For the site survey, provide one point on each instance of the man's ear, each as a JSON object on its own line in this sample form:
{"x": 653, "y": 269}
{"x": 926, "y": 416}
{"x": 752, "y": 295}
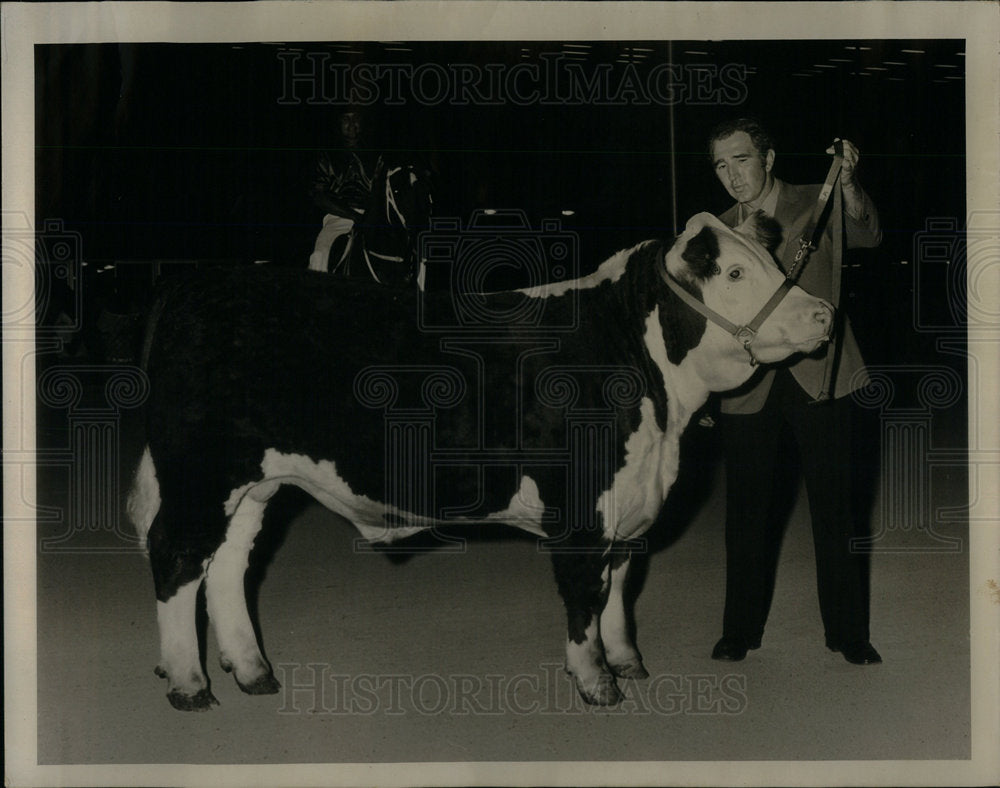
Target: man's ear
{"x": 768, "y": 160}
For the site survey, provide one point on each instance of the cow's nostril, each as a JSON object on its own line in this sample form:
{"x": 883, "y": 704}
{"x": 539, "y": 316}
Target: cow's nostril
{"x": 824, "y": 314}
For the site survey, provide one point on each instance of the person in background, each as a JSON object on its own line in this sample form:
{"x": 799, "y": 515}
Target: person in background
{"x": 341, "y": 186}
{"x": 808, "y": 394}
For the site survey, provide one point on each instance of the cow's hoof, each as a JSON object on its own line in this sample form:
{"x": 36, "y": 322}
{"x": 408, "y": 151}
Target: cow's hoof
{"x": 602, "y": 692}
{"x": 202, "y": 700}
{"x": 265, "y": 685}
{"x": 630, "y": 669}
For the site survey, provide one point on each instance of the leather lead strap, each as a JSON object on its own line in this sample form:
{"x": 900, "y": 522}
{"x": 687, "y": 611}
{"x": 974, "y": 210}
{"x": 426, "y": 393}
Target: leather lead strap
{"x": 811, "y": 233}
{"x": 826, "y": 391}
{"x": 809, "y": 242}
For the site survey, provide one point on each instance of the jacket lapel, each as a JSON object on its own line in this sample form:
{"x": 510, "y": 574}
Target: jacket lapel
{"x": 792, "y": 213}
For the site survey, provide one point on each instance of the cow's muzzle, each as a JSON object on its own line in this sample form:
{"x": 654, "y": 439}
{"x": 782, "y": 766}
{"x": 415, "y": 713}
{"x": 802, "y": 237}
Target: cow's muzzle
{"x": 824, "y": 319}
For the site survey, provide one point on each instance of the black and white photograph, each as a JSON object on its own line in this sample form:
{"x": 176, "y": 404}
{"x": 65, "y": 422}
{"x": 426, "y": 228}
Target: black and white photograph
{"x": 466, "y": 393}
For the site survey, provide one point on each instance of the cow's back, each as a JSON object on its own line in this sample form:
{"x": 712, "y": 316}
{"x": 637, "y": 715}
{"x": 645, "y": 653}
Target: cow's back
{"x": 252, "y": 360}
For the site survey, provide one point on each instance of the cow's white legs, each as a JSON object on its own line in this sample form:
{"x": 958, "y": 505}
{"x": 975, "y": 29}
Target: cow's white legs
{"x": 180, "y": 663}
{"x": 620, "y": 652}
{"x": 226, "y": 600}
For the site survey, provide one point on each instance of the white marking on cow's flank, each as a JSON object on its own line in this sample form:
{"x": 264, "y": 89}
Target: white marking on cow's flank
{"x": 322, "y": 481}
{"x": 610, "y": 270}
{"x": 144, "y": 497}
{"x": 525, "y": 509}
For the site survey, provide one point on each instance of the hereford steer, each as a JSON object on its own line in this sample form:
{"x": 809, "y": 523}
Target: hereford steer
{"x": 556, "y": 409}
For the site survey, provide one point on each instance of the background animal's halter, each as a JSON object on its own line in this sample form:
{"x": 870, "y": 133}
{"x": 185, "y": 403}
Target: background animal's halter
{"x": 808, "y": 242}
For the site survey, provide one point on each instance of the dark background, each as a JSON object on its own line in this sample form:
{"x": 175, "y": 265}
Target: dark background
{"x": 184, "y": 152}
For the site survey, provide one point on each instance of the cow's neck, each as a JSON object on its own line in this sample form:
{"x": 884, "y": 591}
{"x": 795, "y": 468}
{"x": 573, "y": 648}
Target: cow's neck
{"x": 686, "y": 390}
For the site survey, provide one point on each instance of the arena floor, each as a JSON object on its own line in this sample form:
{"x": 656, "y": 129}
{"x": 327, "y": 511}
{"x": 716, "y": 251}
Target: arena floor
{"x": 456, "y": 656}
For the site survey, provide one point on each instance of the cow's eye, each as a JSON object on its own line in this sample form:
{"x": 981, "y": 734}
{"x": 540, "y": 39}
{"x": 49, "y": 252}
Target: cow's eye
{"x": 735, "y": 274}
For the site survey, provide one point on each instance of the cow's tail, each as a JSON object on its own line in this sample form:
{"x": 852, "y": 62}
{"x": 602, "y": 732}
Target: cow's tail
{"x": 143, "y": 501}
{"x": 144, "y": 497}
{"x": 153, "y": 317}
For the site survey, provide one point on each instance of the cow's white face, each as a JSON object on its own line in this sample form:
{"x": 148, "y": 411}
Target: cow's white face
{"x": 736, "y": 276}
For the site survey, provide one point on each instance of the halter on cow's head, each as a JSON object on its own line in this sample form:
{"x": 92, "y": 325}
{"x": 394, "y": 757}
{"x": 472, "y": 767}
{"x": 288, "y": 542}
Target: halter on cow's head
{"x": 729, "y": 276}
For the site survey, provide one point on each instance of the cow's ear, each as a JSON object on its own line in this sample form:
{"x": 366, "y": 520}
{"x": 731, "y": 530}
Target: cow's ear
{"x": 701, "y": 253}
{"x": 764, "y": 229}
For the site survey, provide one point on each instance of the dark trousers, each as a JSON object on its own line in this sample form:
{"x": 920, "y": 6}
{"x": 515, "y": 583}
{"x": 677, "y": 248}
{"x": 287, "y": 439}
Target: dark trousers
{"x": 757, "y": 450}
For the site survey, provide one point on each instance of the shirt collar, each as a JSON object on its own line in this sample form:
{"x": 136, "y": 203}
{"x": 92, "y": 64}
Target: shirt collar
{"x": 769, "y": 206}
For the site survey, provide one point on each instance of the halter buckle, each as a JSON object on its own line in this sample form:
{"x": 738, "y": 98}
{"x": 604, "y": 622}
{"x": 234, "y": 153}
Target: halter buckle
{"x": 745, "y": 336}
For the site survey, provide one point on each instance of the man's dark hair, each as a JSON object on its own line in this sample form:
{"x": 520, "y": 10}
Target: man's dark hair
{"x": 758, "y": 134}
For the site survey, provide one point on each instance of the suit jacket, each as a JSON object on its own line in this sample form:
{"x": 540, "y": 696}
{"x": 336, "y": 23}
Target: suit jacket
{"x": 838, "y": 367}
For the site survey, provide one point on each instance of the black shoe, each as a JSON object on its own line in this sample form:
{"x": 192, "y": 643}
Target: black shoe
{"x": 733, "y": 649}
{"x": 858, "y": 652}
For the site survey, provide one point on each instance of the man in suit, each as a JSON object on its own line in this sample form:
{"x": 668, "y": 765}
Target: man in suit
{"x": 808, "y": 394}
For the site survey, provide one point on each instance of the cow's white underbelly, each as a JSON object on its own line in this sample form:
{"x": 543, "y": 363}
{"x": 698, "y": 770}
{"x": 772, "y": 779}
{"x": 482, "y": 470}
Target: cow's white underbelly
{"x": 640, "y": 486}
{"x": 628, "y": 507}
{"x": 322, "y": 481}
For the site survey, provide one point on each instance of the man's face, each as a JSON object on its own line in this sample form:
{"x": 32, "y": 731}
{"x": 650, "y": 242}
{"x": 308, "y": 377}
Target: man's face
{"x": 350, "y": 127}
{"x": 740, "y": 167}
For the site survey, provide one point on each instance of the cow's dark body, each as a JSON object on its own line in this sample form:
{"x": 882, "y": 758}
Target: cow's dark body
{"x": 562, "y": 418}
{"x": 256, "y": 370}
